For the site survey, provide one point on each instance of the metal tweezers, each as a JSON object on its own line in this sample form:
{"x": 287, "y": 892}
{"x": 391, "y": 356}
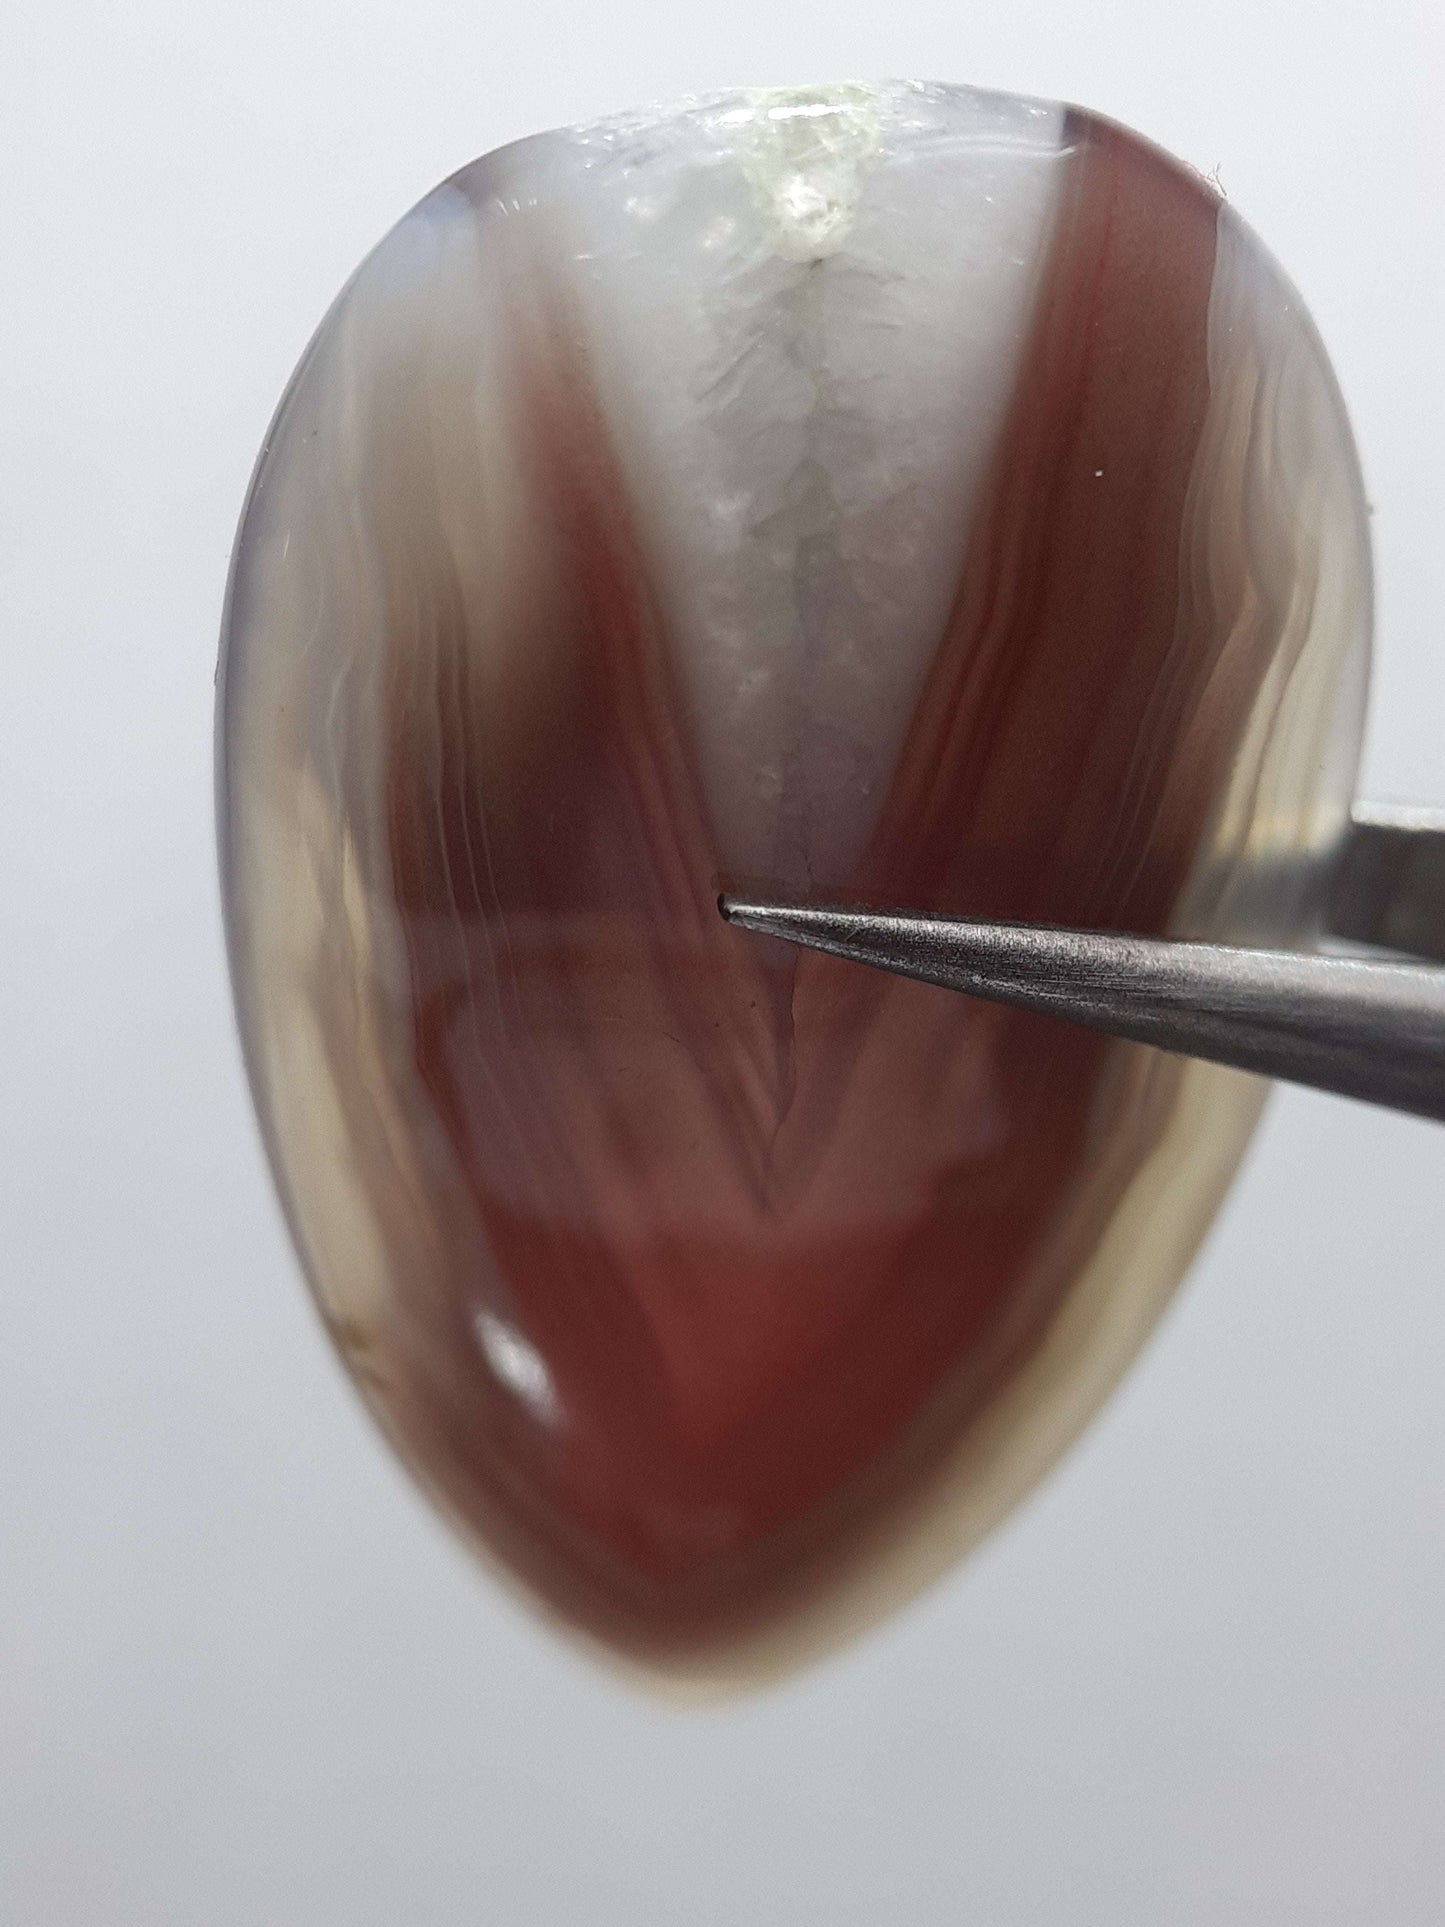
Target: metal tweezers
{"x": 1367, "y": 1027}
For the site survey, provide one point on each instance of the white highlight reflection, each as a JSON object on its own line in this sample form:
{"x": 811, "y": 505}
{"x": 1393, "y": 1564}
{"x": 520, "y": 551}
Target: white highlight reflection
{"x": 519, "y": 1365}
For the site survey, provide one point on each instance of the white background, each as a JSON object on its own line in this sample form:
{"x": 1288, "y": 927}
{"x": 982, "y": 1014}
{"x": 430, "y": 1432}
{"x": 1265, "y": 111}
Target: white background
{"x": 245, "y": 1679}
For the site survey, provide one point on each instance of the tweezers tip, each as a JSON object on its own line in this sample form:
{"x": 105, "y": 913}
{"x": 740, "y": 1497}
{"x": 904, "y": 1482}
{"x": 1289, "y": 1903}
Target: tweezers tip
{"x": 749, "y": 916}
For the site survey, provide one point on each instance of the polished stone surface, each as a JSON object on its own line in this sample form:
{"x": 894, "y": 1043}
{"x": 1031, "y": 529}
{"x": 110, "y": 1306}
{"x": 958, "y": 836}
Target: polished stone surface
{"x": 901, "y": 494}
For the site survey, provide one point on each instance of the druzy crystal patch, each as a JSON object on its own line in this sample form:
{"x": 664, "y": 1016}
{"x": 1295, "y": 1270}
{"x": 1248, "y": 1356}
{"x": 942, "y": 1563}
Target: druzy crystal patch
{"x": 899, "y": 494}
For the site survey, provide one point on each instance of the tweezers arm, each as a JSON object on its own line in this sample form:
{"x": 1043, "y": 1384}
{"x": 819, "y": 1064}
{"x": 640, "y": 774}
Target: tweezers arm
{"x": 1374, "y": 1031}
{"x": 1369, "y": 1030}
{"x": 1389, "y": 888}
{"x": 1366, "y": 1029}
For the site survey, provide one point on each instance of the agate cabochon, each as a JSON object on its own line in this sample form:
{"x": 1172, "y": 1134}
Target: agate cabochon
{"x": 903, "y": 495}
